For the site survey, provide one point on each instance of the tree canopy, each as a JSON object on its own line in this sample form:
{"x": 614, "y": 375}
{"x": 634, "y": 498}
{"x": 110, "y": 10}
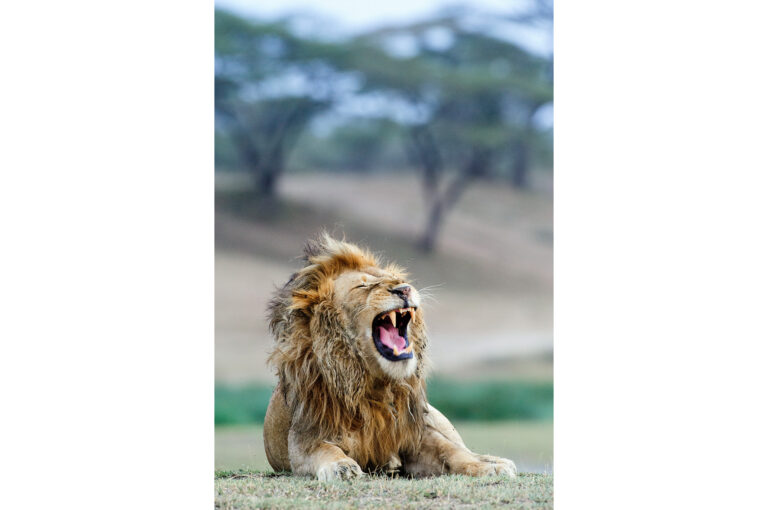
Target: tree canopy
{"x": 463, "y": 100}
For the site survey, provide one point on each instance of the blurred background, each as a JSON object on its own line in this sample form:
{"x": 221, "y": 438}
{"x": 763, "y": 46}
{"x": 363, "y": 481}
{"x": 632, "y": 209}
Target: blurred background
{"x": 424, "y": 131}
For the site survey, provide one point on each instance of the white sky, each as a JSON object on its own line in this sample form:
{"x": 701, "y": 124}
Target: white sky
{"x": 355, "y": 14}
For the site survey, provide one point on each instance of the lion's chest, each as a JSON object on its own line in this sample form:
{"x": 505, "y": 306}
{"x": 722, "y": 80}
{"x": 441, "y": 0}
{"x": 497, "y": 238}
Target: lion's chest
{"x": 378, "y": 441}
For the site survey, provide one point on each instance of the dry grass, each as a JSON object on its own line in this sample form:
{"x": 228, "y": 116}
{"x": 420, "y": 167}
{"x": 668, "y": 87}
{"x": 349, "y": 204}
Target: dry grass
{"x": 492, "y": 306}
{"x": 252, "y": 490}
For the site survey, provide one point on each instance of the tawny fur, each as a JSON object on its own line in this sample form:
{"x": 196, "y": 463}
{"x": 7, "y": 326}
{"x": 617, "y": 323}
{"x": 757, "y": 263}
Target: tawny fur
{"x": 320, "y": 367}
{"x": 330, "y": 398}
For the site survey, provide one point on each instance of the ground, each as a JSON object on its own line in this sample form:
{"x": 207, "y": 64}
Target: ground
{"x": 489, "y": 313}
{"x": 252, "y": 489}
{"x": 529, "y": 444}
{"x": 489, "y": 284}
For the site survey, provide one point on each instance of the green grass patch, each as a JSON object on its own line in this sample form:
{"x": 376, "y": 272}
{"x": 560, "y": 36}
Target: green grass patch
{"x": 241, "y": 404}
{"x": 458, "y": 400}
{"x": 257, "y": 489}
{"x": 491, "y": 400}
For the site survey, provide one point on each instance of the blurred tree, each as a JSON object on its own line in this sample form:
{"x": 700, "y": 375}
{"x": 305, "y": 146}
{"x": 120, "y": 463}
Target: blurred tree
{"x": 473, "y": 100}
{"x": 466, "y": 100}
{"x": 264, "y": 132}
{"x": 354, "y": 145}
{"x": 538, "y": 15}
{"x": 268, "y": 86}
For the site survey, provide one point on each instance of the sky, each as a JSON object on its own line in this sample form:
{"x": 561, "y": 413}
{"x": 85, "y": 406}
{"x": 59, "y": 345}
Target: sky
{"x": 352, "y": 16}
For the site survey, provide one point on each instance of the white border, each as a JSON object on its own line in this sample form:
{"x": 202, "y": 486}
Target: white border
{"x": 106, "y": 204}
{"x": 661, "y": 259}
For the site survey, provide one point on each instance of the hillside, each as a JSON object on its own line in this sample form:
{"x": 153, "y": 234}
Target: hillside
{"x": 490, "y": 282}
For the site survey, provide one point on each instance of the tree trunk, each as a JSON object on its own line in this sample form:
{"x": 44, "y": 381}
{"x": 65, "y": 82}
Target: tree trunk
{"x": 520, "y": 165}
{"x": 427, "y": 154}
{"x": 476, "y": 166}
{"x": 250, "y": 156}
{"x": 441, "y": 205}
{"x": 434, "y": 222}
{"x": 521, "y": 157}
{"x": 270, "y": 171}
{"x": 266, "y": 184}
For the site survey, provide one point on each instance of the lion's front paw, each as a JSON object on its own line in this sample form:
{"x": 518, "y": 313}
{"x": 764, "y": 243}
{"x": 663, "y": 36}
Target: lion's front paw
{"x": 345, "y": 469}
{"x": 489, "y": 466}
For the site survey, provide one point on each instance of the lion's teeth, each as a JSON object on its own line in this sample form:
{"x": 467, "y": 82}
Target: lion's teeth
{"x": 393, "y": 317}
{"x": 394, "y": 349}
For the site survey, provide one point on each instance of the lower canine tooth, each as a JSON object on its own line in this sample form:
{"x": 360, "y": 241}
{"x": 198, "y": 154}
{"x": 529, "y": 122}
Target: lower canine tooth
{"x": 397, "y": 353}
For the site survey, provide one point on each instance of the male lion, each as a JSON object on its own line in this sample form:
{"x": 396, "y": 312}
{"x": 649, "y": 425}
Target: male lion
{"x": 351, "y": 359}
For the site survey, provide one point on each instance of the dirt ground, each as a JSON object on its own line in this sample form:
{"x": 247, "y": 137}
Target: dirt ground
{"x": 490, "y": 281}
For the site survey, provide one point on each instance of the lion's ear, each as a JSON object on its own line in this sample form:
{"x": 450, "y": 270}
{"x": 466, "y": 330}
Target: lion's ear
{"x": 339, "y": 360}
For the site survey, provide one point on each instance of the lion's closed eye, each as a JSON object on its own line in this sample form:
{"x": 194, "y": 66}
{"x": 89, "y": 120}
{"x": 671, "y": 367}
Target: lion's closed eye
{"x": 367, "y": 285}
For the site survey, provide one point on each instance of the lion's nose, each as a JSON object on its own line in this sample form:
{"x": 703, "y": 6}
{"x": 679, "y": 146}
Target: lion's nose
{"x": 402, "y": 291}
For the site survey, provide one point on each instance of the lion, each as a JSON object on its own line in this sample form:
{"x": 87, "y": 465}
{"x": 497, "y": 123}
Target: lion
{"x": 351, "y": 359}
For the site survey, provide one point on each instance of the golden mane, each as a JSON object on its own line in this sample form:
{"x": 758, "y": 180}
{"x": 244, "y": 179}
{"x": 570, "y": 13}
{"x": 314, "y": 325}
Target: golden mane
{"x": 323, "y": 376}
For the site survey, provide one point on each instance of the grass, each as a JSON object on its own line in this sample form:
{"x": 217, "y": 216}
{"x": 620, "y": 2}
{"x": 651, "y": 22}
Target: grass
{"x": 241, "y": 404}
{"x": 253, "y": 489}
{"x": 529, "y": 444}
{"x": 458, "y": 400}
{"x": 492, "y": 400}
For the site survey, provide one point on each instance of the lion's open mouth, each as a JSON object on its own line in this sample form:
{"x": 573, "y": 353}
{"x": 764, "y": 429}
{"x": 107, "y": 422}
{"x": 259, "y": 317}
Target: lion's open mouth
{"x": 390, "y": 334}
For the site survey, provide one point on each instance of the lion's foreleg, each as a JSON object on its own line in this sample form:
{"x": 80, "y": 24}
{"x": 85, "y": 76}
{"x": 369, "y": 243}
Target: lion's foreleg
{"x": 443, "y": 452}
{"x": 320, "y": 459}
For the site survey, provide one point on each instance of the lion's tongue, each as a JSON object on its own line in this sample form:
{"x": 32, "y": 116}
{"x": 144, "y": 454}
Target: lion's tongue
{"x": 389, "y": 336}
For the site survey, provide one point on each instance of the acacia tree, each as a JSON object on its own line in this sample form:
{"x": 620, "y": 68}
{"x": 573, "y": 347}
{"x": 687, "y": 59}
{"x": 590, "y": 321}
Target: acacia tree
{"x": 269, "y": 85}
{"x": 473, "y": 99}
{"x": 264, "y": 133}
{"x": 467, "y": 104}
{"x": 538, "y": 15}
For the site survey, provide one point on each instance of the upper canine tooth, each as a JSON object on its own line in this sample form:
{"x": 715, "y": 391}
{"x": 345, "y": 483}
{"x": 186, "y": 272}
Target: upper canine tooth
{"x": 393, "y": 317}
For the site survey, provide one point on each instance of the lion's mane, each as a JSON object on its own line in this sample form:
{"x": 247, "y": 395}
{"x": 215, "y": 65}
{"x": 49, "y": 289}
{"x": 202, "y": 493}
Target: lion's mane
{"x": 325, "y": 381}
